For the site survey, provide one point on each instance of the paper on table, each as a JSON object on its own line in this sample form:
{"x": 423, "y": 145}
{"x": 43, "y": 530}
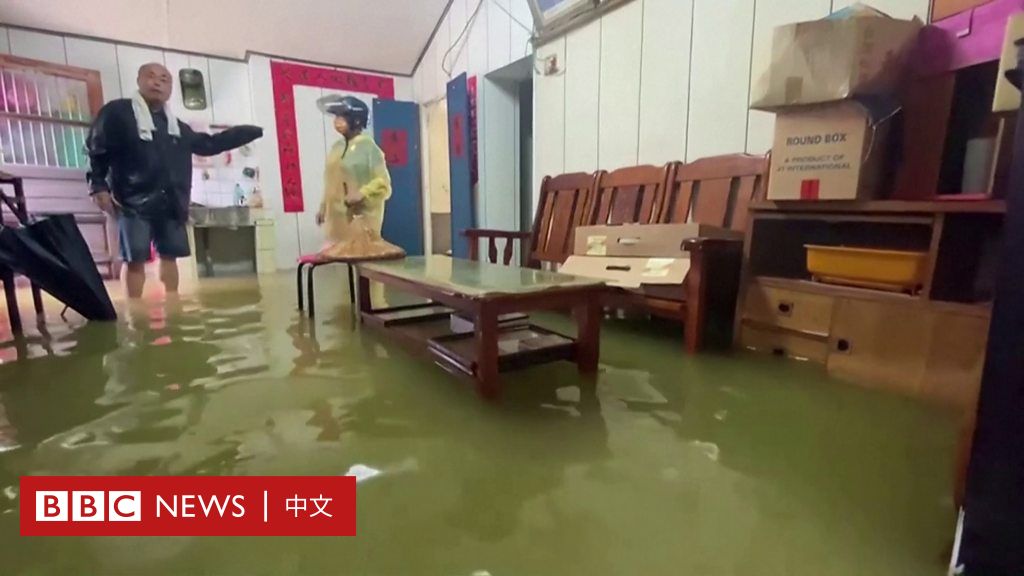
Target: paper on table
{"x": 658, "y": 267}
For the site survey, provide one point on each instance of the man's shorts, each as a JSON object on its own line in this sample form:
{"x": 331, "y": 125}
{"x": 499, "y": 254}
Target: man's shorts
{"x": 137, "y": 234}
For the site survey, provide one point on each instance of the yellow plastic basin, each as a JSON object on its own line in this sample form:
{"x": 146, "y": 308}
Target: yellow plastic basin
{"x": 896, "y": 270}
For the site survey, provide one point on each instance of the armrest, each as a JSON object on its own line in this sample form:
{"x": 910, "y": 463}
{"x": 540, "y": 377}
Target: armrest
{"x": 711, "y": 289}
{"x": 712, "y": 244}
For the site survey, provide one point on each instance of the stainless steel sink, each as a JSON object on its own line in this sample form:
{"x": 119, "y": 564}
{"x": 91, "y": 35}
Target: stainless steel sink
{"x": 227, "y": 217}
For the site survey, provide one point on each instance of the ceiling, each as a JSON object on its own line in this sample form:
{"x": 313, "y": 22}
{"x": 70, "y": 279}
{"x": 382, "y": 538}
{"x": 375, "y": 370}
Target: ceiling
{"x": 381, "y": 35}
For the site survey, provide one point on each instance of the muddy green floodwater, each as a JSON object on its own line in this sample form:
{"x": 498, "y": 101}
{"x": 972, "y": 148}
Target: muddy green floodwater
{"x": 669, "y": 464}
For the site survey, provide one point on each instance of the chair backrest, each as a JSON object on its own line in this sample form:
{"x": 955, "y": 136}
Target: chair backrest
{"x": 631, "y": 195}
{"x": 564, "y": 201}
{"x": 718, "y": 190}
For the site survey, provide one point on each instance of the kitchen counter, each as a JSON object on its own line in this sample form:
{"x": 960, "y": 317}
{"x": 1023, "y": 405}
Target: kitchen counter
{"x": 232, "y": 240}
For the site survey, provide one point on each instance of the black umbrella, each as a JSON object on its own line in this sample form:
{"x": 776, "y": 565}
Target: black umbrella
{"x": 52, "y": 253}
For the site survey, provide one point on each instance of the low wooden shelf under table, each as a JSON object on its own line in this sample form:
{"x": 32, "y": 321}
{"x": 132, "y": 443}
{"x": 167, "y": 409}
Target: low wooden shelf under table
{"x": 484, "y": 292}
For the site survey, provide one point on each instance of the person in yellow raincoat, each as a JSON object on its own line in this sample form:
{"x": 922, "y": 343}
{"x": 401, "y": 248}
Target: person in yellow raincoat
{"x": 357, "y": 186}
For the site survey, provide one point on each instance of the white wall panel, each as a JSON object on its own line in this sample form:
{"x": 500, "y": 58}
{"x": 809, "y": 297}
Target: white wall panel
{"x": 129, "y": 60}
{"x": 767, "y": 15}
{"x": 428, "y": 234}
{"x": 456, "y": 22}
{"x": 582, "y": 78}
{"x": 175, "y": 62}
{"x": 229, "y": 86}
{"x": 430, "y": 72}
{"x": 285, "y": 230}
{"x": 442, "y": 40}
{"x": 309, "y": 125}
{"x": 38, "y": 46}
{"x": 101, "y": 56}
{"x": 619, "y": 123}
{"x": 417, "y": 84}
{"x": 548, "y": 119}
{"x": 499, "y": 35}
{"x": 476, "y": 45}
{"x": 499, "y": 149}
{"x": 719, "y": 77}
{"x": 404, "y": 89}
{"x": 664, "y": 84}
{"x": 521, "y": 28}
{"x": 5, "y": 41}
{"x": 905, "y": 9}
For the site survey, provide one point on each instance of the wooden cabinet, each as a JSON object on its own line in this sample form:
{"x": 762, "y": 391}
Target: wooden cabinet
{"x": 784, "y": 343}
{"x": 880, "y": 344}
{"x": 946, "y": 8}
{"x": 800, "y": 311}
{"x": 928, "y": 344}
{"x": 934, "y": 351}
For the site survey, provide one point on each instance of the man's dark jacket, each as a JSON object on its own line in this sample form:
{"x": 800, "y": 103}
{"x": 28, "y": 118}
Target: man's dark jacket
{"x": 137, "y": 171}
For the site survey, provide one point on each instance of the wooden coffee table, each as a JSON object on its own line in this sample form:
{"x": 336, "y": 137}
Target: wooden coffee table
{"x": 484, "y": 292}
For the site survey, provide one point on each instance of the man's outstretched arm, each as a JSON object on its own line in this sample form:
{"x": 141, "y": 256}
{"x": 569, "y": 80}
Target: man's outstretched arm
{"x": 210, "y": 145}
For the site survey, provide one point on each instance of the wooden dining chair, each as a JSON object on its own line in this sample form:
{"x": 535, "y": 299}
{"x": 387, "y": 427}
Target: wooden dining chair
{"x": 19, "y": 217}
{"x": 716, "y": 190}
{"x": 563, "y": 205}
{"x": 631, "y": 195}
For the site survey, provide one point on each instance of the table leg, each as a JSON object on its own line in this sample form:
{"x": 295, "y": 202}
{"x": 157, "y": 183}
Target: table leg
{"x": 487, "y": 353}
{"x": 207, "y": 258}
{"x": 588, "y": 339}
{"x": 310, "y": 293}
{"x": 365, "y": 305}
{"x": 37, "y": 300}
{"x": 351, "y": 284}
{"x": 298, "y": 284}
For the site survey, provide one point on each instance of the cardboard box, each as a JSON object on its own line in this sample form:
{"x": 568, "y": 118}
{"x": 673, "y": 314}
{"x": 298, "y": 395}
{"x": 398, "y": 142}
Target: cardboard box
{"x": 857, "y": 51}
{"x": 640, "y": 240}
{"x": 638, "y": 256}
{"x": 830, "y": 152}
{"x": 1007, "y": 97}
{"x": 629, "y": 272}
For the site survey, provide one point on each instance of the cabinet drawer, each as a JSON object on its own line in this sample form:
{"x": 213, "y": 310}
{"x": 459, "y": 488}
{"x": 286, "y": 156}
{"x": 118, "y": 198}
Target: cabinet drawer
{"x": 784, "y": 344}
{"x": 881, "y": 345}
{"x": 789, "y": 309}
{"x": 956, "y": 358}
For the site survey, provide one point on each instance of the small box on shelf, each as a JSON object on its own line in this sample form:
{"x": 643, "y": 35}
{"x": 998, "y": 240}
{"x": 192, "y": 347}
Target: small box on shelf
{"x": 830, "y": 152}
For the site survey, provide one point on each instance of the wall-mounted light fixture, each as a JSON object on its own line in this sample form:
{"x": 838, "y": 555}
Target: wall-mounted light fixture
{"x": 193, "y": 89}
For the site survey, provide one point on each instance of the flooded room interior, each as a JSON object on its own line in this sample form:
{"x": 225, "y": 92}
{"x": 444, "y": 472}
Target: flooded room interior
{"x": 511, "y": 287}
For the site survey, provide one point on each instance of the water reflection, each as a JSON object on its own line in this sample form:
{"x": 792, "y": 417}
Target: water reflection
{"x": 666, "y": 464}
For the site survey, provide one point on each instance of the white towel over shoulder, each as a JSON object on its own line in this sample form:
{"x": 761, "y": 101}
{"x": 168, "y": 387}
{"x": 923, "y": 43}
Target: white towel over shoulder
{"x": 144, "y": 119}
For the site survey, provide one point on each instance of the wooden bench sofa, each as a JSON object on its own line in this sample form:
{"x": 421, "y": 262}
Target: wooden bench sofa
{"x": 713, "y": 191}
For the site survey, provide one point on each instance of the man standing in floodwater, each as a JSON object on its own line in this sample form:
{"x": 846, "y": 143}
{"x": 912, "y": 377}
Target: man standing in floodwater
{"x": 140, "y": 171}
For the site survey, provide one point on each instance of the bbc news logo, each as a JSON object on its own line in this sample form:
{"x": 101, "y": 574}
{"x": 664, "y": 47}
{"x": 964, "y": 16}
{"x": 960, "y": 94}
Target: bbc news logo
{"x": 88, "y": 506}
{"x": 188, "y": 506}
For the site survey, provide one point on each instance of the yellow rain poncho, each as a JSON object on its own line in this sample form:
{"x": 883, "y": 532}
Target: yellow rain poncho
{"x": 356, "y": 188}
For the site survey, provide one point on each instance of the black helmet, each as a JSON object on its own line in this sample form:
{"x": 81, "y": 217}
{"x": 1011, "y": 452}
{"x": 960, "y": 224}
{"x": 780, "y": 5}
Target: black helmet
{"x": 352, "y": 109}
